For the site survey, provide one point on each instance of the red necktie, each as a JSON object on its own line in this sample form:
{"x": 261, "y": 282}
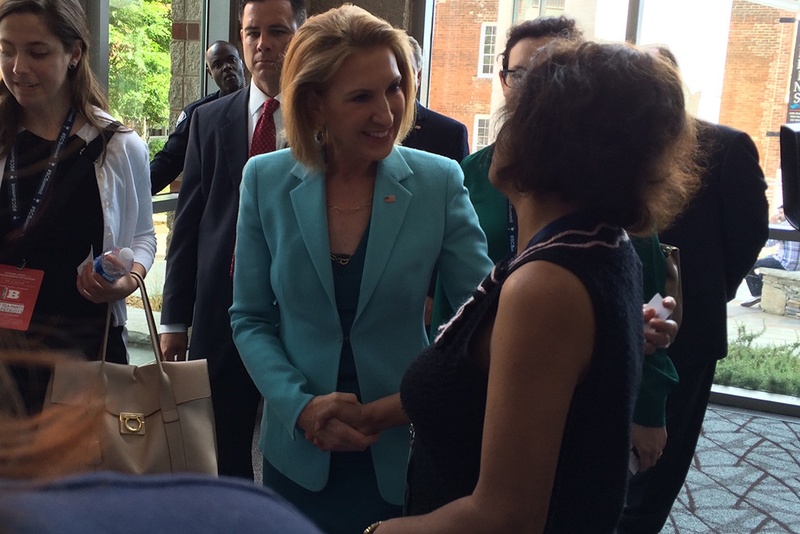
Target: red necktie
{"x": 264, "y": 136}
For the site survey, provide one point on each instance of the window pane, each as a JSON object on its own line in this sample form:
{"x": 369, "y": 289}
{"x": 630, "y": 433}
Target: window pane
{"x": 139, "y": 63}
{"x": 482, "y": 132}
{"x": 487, "y": 51}
{"x": 736, "y": 58}
{"x": 468, "y": 33}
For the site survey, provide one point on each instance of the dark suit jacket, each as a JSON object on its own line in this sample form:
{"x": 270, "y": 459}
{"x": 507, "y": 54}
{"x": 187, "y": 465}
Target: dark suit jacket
{"x": 198, "y": 288}
{"x": 168, "y": 163}
{"x": 438, "y": 134}
{"x": 720, "y": 236}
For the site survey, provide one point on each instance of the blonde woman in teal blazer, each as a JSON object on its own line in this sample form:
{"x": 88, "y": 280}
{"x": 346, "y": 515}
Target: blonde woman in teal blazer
{"x": 284, "y": 316}
{"x": 337, "y": 239}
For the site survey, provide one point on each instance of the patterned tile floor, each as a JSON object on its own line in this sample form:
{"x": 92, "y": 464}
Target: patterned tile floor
{"x": 745, "y": 477}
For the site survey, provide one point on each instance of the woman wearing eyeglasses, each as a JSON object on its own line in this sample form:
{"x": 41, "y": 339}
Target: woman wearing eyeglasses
{"x": 495, "y": 214}
{"x": 541, "y": 365}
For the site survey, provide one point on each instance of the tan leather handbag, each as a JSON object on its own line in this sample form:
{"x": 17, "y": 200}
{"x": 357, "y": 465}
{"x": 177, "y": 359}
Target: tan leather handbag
{"x": 158, "y": 417}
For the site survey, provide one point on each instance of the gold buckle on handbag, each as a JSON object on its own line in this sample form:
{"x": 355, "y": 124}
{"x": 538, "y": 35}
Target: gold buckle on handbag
{"x": 131, "y": 423}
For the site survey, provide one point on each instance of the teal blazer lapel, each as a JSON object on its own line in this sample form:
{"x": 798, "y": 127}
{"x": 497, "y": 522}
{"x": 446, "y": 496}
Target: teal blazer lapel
{"x": 308, "y": 202}
{"x": 389, "y": 206}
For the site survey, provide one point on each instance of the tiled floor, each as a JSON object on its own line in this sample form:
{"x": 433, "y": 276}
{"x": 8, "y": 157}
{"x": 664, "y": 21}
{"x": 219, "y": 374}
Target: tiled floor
{"x": 745, "y": 478}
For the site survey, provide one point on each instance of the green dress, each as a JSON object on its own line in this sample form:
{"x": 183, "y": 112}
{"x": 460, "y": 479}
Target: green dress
{"x": 659, "y": 376}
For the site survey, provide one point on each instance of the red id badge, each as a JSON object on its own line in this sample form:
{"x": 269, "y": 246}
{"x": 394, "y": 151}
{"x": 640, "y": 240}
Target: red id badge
{"x": 19, "y": 289}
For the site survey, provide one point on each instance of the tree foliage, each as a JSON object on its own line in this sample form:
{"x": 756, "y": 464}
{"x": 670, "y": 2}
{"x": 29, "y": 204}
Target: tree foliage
{"x": 140, "y": 32}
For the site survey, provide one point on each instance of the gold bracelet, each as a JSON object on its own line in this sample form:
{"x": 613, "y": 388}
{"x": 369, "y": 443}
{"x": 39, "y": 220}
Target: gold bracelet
{"x": 373, "y": 527}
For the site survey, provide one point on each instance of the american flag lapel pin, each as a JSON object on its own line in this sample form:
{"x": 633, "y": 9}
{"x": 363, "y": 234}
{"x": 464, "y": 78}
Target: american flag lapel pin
{"x": 389, "y": 199}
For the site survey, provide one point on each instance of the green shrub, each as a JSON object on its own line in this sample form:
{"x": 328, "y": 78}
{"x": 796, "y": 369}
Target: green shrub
{"x": 770, "y": 368}
{"x": 155, "y": 144}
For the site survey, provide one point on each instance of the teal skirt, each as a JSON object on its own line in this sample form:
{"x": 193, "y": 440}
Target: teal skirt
{"x": 348, "y": 504}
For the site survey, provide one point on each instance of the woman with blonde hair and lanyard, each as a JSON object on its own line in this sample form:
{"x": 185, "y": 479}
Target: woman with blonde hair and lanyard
{"x": 74, "y": 184}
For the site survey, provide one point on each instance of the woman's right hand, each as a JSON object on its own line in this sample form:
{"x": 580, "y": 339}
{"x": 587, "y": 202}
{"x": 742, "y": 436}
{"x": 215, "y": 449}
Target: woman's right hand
{"x": 658, "y": 333}
{"x": 649, "y": 443}
{"x": 330, "y": 422}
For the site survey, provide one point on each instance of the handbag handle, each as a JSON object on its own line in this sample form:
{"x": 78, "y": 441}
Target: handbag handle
{"x": 148, "y": 314}
{"x": 169, "y": 408}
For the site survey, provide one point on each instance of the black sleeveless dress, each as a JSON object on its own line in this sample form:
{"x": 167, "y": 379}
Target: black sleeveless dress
{"x": 444, "y": 389}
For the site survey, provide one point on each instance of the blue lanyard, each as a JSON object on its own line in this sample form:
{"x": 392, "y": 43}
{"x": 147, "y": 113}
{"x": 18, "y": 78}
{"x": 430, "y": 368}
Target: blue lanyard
{"x": 512, "y": 228}
{"x": 52, "y": 163}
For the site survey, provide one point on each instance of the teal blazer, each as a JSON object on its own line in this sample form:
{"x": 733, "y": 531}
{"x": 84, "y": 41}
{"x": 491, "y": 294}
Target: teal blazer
{"x": 284, "y": 317}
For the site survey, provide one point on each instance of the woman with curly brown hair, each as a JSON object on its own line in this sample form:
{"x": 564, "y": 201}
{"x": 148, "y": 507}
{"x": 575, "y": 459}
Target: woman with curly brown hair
{"x": 528, "y": 426}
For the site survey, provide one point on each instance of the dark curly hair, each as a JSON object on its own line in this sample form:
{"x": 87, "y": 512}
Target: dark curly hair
{"x": 602, "y": 126}
{"x": 557, "y": 27}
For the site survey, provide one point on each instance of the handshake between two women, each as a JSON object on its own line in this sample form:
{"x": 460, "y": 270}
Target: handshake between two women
{"x": 339, "y": 422}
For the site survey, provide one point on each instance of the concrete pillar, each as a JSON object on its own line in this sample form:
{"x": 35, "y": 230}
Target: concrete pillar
{"x": 186, "y": 54}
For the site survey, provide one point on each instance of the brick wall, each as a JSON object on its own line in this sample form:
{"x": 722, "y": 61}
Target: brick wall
{"x": 456, "y": 89}
{"x": 757, "y": 76}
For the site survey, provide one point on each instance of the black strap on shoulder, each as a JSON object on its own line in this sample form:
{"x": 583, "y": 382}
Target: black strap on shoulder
{"x": 92, "y": 151}
{"x": 82, "y": 164}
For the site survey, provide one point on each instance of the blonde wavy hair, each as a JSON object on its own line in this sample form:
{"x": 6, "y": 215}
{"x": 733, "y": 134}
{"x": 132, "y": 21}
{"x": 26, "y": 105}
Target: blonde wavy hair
{"x": 316, "y": 53}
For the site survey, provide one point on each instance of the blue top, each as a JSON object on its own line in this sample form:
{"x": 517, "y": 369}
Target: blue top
{"x": 117, "y": 503}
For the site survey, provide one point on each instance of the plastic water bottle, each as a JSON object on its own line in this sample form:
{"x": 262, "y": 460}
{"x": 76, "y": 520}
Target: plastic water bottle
{"x": 114, "y": 264}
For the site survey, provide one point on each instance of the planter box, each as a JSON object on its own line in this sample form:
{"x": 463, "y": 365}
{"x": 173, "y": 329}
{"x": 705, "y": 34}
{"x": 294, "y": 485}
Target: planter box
{"x": 781, "y": 292}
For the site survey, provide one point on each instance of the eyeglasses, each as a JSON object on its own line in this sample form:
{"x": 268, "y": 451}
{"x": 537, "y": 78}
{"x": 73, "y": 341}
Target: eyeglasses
{"x": 512, "y": 77}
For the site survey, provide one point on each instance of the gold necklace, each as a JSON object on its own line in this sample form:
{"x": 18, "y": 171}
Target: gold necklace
{"x": 341, "y": 259}
{"x": 339, "y": 209}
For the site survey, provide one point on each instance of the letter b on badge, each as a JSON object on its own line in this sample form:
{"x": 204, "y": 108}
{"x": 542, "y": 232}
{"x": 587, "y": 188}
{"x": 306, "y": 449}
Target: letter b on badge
{"x": 10, "y": 294}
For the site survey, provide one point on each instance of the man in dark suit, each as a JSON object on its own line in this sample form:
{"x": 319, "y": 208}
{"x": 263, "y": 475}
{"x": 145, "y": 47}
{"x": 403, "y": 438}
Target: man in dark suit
{"x": 434, "y": 132}
{"x": 225, "y": 67}
{"x": 198, "y": 287}
{"x": 720, "y": 235}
